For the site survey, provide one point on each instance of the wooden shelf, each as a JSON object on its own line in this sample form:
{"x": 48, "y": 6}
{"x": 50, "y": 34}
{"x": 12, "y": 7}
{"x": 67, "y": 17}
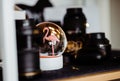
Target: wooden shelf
{"x": 102, "y": 76}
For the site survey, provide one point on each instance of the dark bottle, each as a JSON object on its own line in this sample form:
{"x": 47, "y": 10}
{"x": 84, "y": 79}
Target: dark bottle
{"x": 74, "y": 25}
{"x": 96, "y": 50}
{"x": 28, "y": 54}
{"x": 74, "y": 21}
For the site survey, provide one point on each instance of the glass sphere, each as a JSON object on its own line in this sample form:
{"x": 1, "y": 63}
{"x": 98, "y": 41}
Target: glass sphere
{"x": 51, "y": 40}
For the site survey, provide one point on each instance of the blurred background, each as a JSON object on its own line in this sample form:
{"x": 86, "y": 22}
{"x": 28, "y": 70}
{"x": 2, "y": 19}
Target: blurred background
{"x": 102, "y": 15}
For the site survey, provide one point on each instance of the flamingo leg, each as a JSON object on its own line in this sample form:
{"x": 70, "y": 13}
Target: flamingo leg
{"x": 53, "y": 50}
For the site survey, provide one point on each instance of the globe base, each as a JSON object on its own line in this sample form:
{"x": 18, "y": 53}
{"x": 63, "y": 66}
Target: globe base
{"x": 48, "y": 64}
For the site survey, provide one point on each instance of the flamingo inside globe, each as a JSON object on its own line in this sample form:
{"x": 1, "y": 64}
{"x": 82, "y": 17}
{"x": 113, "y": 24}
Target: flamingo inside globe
{"x": 51, "y": 39}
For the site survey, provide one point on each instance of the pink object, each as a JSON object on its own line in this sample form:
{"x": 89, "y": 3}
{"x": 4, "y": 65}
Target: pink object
{"x": 51, "y": 38}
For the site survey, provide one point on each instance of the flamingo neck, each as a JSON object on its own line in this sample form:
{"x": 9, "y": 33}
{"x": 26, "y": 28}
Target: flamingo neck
{"x": 46, "y": 29}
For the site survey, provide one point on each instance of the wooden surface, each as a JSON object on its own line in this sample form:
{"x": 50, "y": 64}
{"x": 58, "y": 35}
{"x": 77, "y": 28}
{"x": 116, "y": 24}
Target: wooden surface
{"x": 102, "y": 76}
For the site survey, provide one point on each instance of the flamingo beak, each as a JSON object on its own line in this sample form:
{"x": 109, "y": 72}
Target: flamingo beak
{"x": 43, "y": 30}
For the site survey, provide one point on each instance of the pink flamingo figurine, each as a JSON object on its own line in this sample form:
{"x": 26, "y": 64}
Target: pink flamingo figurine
{"x": 51, "y": 38}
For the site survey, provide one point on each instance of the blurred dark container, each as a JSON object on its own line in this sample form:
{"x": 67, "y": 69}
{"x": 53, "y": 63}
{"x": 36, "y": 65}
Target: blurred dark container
{"x": 96, "y": 50}
{"x": 28, "y": 54}
{"x": 23, "y": 30}
{"x": 75, "y": 20}
{"x": 74, "y": 25}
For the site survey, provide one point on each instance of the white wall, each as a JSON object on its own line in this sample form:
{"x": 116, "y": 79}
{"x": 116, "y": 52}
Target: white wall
{"x": 104, "y": 8}
{"x": 8, "y": 41}
{"x": 90, "y": 9}
{"x": 115, "y": 23}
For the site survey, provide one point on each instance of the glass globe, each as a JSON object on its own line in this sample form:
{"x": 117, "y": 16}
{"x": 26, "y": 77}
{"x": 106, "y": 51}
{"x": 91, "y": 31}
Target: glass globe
{"x": 51, "y": 40}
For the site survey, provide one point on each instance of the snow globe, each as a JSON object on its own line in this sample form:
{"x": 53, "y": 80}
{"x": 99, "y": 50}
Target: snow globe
{"x": 52, "y": 43}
